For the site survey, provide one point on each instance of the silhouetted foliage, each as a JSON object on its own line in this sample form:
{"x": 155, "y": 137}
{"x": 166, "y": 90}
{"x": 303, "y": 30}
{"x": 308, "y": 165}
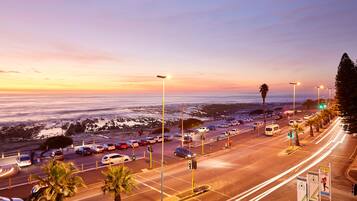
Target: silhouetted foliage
{"x": 56, "y": 142}
{"x": 190, "y": 123}
{"x": 346, "y": 92}
{"x": 159, "y": 130}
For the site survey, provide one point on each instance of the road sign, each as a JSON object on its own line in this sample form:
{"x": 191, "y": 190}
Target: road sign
{"x": 313, "y": 186}
{"x": 301, "y": 187}
{"x": 325, "y": 181}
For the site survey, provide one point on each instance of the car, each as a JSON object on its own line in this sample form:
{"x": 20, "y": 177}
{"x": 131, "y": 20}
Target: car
{"x": 202, "y": 129}
{"x": 292, "y": 122}
{"x": 158, "y": 138}
{"x": 257, "y": 124}
{"x": 223, "y": 126}
{"x": 300, "y": 121}
{"x": 84, "y": 151}
{"x": 57, "y": 155}
{"x": 233, "y": 132}
{"x": 308, "y": 116}
{"x": 10, "y": 199}
{"x": 114, "y": 158}
{"x": 109, "y": 147}
{"x": 168, "y": 137}
{"x": 151, "y": 140}
{"x": 234, "y": 123}
{"x": 97, "y": 148}
{"x": 23, "y": 160}
{"x": 143, "y": 142}
{"x": 211, "y": 127}
{"x": 184, "y": 153}
{"x": 133, "y": 143}
{"x": 272, "y": 129}
{"x": 222, "y": 136}
{"x": 121, "y": 145}
{"x": 187, "y": 139}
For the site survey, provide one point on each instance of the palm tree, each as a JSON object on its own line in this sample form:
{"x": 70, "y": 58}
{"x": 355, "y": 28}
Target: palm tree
{"x": 263, "y": 89}
{"x": 59, "y": 182}
{"x": 317, "y": 122}
{"x": 310, "y": 122}
{"x": 118, "y": 179}
{"x": 297, "y": 128}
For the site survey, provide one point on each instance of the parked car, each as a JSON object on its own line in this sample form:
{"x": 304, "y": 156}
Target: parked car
{"x": 151, "y": 140}
{"x": 114, "y": 158}
{"x": 184, "y": 153}
{"x": 84, "y": 151}
{"x": 23, "y": 160}
{"x": 292, "y": 122}
{"x": 143, "y": 142}
{"x": 158, "y": 138}
{"x": 10, "y": 199}
{"x": 222, "y": 136}
{"x": 211, "y": 127}
{"x": 308, "y": 116}
{"x": 168, "y": 137}
{"x": 97, "y": 148}
{"x": 257, "y": 124}
{"x": 187, "y": 139}
{"x": 234, "y": 123}
{"x": 121, "y": 145}
{"x": 202, "y": 129}
{"x": 109, "y": 147}
{"x": 133, "y": 143}
{"x": 223, "y": 126}
{"x": 233, "y": 132}
{"x": 57, "y": 155}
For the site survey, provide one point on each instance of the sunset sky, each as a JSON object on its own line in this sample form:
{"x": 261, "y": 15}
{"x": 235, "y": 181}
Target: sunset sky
{"x": 207, "y": 46}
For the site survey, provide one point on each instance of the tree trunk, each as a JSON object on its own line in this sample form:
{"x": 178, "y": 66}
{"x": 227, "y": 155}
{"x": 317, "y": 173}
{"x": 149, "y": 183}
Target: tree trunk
{"x": 297, "y": 141}
{"x": 311, "y": 131}
{"x": 117, "y": 197}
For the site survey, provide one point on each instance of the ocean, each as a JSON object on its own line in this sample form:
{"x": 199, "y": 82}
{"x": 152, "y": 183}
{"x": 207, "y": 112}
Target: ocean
{"x": 16, "y": 108}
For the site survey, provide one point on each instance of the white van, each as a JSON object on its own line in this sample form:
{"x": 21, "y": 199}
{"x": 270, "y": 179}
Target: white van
{"x": 272, "y": 129}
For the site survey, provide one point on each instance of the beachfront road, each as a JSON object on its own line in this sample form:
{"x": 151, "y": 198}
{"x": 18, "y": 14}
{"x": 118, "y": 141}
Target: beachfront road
{"x": 257, "y": 168}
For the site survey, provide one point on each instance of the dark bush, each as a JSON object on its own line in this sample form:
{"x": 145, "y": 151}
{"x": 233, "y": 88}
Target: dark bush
{"x": 190, "y": 123}
{"x": 159, "y": 130}
{"x": 56, "y": 142}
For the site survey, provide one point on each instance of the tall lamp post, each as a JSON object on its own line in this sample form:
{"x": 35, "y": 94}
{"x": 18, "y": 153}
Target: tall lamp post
{"x": 329, "y": 95}
{"x": 294, "y": 94}
{"x": 318, "y": 94}
{"x": 162, "y": 135}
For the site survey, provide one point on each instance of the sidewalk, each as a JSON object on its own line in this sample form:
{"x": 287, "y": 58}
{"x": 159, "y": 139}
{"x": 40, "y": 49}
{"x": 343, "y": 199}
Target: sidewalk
{"x": 351, "y": 172}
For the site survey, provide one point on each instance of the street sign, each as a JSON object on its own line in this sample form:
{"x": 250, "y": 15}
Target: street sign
{"x": 313, "y": 186}
{"x": 325, "y": 181}
{"x": 301, "y": 187}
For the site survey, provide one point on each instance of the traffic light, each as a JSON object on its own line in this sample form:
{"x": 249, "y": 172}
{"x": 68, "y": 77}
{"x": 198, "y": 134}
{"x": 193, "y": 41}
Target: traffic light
{"x": 194, "y": 164}
{"x": 354, "y": 189}
{"x": 322, "y": 106}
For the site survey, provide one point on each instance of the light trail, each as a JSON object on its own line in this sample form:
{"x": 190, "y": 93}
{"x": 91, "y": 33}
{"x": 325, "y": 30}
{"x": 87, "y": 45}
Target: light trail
{"x": 303, "y": 170}
{"x": 256, "y": 188}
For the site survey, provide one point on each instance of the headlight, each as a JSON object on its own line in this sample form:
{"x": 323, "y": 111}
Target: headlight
{"x": 189, "y": 155}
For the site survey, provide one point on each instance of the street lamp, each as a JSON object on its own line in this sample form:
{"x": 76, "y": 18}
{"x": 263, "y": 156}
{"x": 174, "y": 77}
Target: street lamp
{"x": 329, "y": 95}
{"x": 294, "y": 86}
{"x": 163, "y": 77}
{"x": 318, "y": 93}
